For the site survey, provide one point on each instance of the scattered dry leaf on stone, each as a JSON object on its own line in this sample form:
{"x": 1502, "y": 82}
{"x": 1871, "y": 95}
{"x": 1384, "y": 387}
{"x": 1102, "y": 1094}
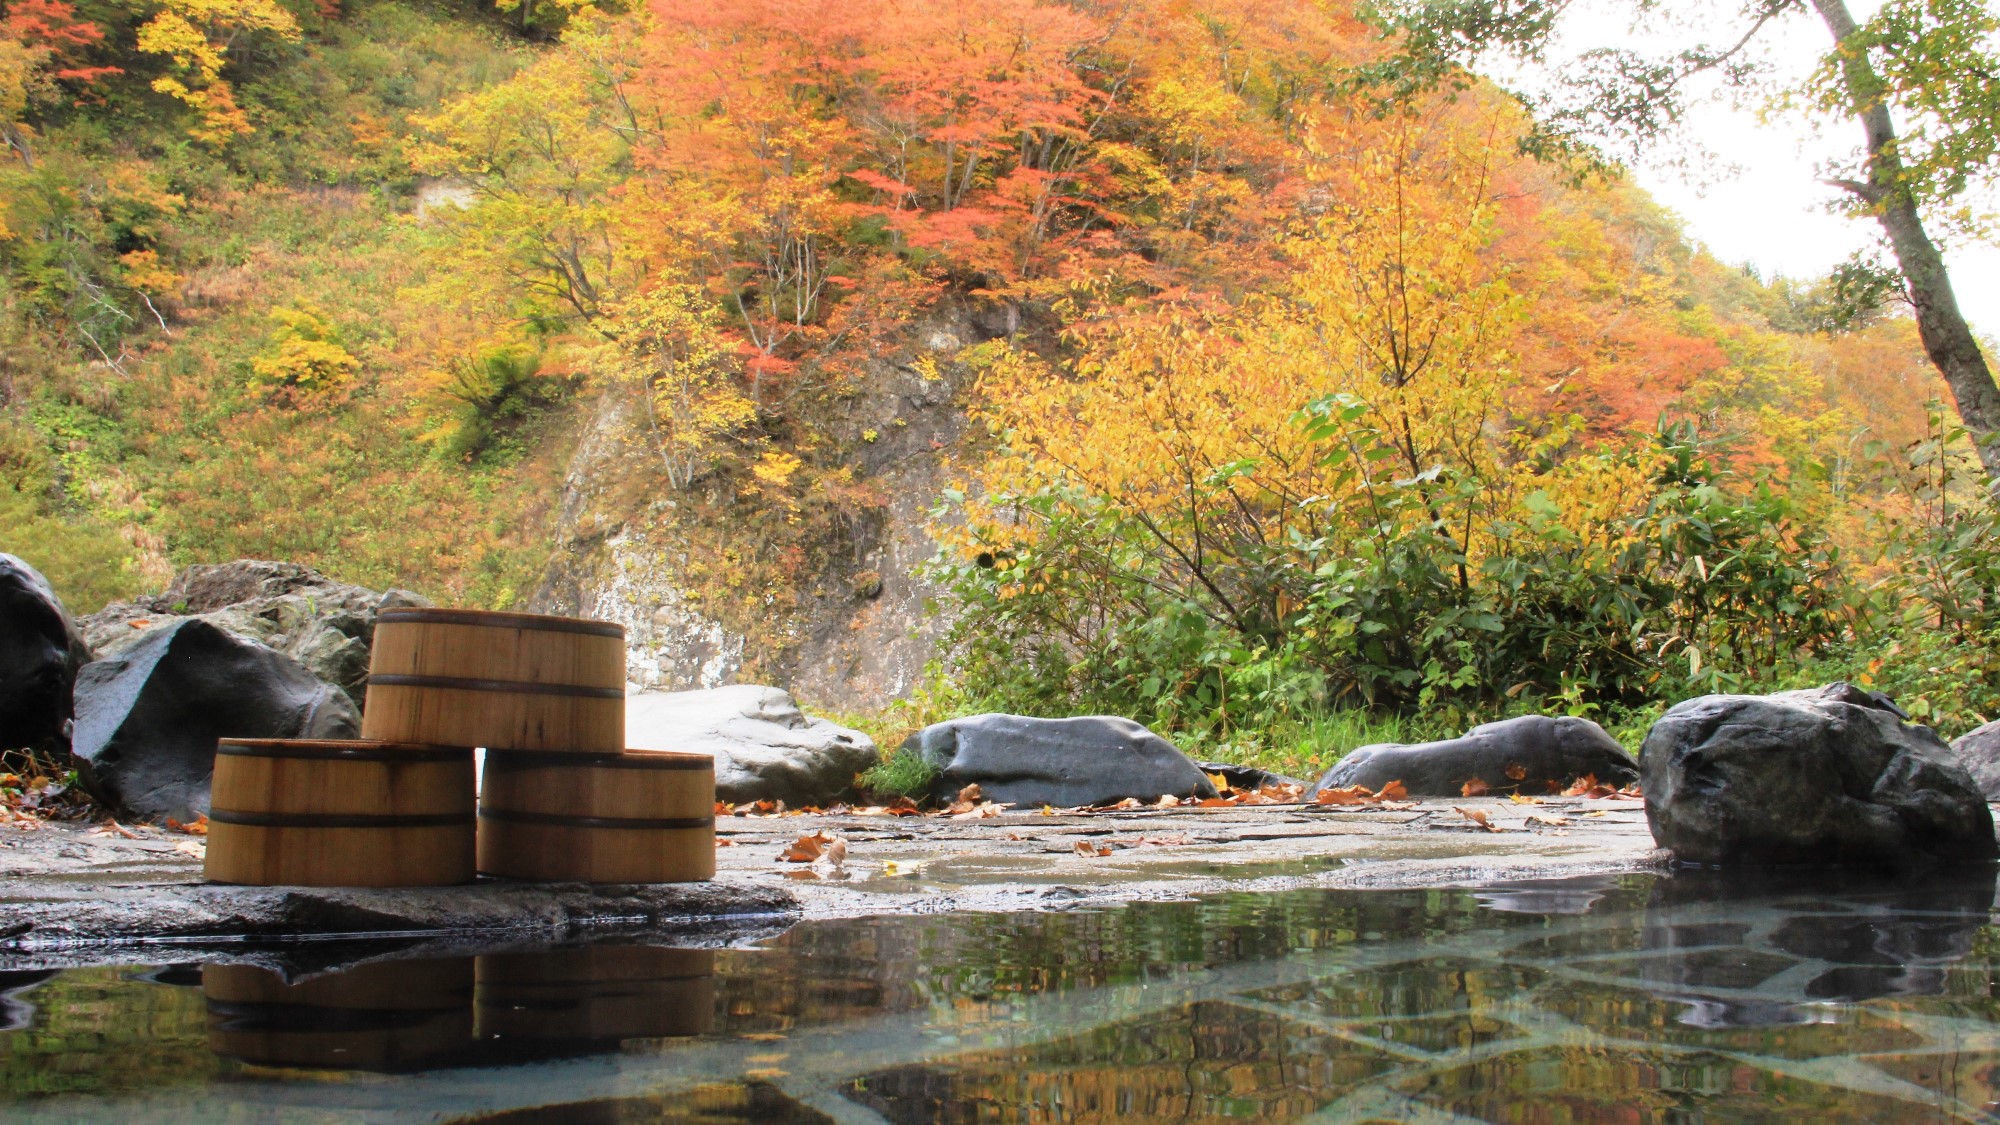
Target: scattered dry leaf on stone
{"x": 1477, "y": 787}
{"x": 1128, "y": 803}
{"x": 113, "y": 828}
{"x": 1516, "y": 772}
{"x": 1168, "y": 801}
{"x": 198, "y": 827}
{"x": 1548, "y": 821}
{"x": 806, "y": 848}
{"x": 1090, "y": 848}
{"x": 1521, "y": 800}
{"x": 1478, "y": 817}
{"x": 981, "y": 811}
{"x": 1388, "y": 797}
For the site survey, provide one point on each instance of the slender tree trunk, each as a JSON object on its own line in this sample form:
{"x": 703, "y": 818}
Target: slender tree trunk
{"x": 1948, "y": 340}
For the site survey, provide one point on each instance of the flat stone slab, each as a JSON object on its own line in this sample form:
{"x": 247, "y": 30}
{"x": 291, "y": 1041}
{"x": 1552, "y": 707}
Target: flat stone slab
{"x": 68, "y": 886}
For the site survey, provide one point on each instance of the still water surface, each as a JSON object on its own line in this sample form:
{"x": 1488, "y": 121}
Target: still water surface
{"x": 1640, "y": 999}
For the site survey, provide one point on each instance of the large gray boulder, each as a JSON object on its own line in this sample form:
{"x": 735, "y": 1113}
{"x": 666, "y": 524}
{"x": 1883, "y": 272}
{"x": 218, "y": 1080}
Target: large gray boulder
{"x": 1827, "y": 776}
{"x": 326, "y": 626}
{"x": 1090, "y": 760}
{"x": 147, "y": 719}
{"x": 1978, "y": 751}
{"x": 40, "y": 652}
{"x": 1529, "y": 754}
{"x": 765, "y": 748}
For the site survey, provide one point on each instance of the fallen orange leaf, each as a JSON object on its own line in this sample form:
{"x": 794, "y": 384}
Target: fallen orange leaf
{"x": 1474, "y": 788}
{"x": 1085, "y": 847}
{"x": 806, "y": 848}
{"x": 1516, "y": 772}
{"x": 1479, "y": 818}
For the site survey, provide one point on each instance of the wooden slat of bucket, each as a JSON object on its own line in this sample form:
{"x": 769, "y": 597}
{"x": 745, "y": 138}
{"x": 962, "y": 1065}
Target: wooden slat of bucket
{"x": 505, "y": 681}
{"x": 594, "y": 994}
{"x": 395, "y": 1015}
{"x": 340, "y": 814}
{"x": 637, "y": 817}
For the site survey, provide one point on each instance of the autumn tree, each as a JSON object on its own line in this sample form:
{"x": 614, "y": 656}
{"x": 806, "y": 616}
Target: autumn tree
{"x": 1933, "y": 63}
{"x": 194, "y": 36}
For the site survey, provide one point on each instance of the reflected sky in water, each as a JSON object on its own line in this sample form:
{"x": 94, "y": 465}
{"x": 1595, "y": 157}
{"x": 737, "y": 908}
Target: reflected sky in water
{"x": 1686, "y": 998}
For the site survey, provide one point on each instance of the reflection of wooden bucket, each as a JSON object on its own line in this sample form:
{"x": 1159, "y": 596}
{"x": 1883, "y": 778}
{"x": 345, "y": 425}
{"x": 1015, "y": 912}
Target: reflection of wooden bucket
{"x": 599, "y": 993}
{"x": 392, "y": 1015}
{"x": 505, "y": 681}
{"x": 639, "y": 817}
{"x": 340, "y": 814}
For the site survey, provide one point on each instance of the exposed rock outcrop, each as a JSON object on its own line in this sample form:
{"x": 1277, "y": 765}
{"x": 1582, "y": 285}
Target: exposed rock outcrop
{"x": 765, "y": 748}
{"x": 1530, "y": 754}
{"x": 326, "y": 626}
{"x": 1091, "y": 760}
{"x": 40, "y": 652}
{"x": 1827, "y": 776}
{"x": 147, "y": 719}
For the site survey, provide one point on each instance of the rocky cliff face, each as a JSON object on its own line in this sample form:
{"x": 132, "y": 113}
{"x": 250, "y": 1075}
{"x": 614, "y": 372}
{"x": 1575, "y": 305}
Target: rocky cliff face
{"x": 853, "y": 634}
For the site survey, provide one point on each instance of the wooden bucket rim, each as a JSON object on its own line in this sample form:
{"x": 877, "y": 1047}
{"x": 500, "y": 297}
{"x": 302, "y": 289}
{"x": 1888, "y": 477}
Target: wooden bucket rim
{"x": 248, "y": 819}
{"x": 342, "y": 750}
{"x": 598, "y": 759}
{"x": 495, "y": 619}
{"x": 618, "y": 823}
{"x": 505, "y": 687}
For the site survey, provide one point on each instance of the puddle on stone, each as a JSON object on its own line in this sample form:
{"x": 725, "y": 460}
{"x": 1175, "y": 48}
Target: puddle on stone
{"x": 951, "y": 872}
{"x": 1638, "y": 999}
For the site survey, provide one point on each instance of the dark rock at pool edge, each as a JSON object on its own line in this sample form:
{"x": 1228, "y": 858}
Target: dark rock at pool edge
{"x": 1531, "y": 754}
{"x": 148, "y": 719}
{"x": 40, "y": 652}
{"x": 325, "y": 625}
{"x": 1090, "y": 760}
{"x": 1979, "y": 752}
{"x": 1827, "y": 776}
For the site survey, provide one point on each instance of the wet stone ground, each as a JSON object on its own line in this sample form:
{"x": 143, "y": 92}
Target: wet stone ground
{"x": 1255, "y": 965}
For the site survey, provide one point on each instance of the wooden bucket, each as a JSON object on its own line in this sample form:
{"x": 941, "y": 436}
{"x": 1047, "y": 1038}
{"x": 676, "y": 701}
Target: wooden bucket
{"x": 504, "y": 681}
{"x": 340, "y": 814}
{"x": 388, "y": 1016}
{"x": 591, "y": 996}
{"x": 637, "y": 817}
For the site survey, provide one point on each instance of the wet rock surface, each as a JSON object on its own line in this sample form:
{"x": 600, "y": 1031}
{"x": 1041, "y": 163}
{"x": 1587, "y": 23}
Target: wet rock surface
{"x": 148, "y": 719}
{"x": 1533, "y": 754}
{"x": 765, "y": 748}
{"x": 1091, "y": 760}
{"x": 40, "y": 652}
{"x": 1978, "y": 751}
{"x": 83, "y": 893}
{"x": 1827, "y": 776}
{"x": 325, "y": 625}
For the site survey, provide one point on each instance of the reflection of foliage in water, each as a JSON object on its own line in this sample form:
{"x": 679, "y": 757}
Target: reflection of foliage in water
{"x": 1698, "y": 996}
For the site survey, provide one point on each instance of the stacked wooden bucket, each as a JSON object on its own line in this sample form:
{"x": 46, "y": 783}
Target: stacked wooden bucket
{"x": 562, "y": 798}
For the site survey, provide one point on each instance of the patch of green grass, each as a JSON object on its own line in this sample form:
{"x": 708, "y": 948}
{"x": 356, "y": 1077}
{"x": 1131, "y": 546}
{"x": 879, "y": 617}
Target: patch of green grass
{"x": 1307, "y": 747}
{"x": 903, "y": 773}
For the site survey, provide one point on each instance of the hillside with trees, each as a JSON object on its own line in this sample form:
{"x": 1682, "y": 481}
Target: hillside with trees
{"x": 1271, "y": 392}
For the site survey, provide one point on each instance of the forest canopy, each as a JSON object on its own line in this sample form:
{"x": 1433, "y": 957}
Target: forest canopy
{"x": 1288, "y": 399}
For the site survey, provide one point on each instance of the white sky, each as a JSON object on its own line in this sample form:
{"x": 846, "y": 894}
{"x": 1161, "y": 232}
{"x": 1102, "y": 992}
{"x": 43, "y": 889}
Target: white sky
{"x": 1763, "y": 203}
